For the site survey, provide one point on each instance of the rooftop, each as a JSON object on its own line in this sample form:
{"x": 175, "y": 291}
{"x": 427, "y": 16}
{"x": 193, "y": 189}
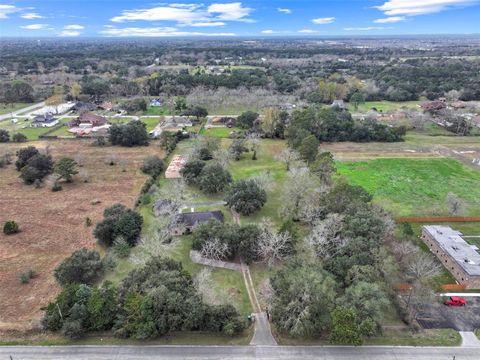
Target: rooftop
{"x": 453, "y": 244}
{"x": 193, "y": 218}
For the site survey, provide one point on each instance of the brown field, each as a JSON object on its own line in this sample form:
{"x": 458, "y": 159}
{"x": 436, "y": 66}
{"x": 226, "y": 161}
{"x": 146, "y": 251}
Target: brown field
{"x": 52, "y": 224}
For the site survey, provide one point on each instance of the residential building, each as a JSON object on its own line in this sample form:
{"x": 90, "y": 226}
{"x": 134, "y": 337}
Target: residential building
{"x": 461, "y": 259}
{"x": 186, "y": 222}
{"x": 46, "y": 120}
{"x": 88, "y": 120}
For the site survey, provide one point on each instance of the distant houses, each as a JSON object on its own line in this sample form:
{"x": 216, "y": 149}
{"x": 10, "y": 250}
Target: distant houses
{"x": 176, "y": 123}
{"x": 46, "y": 120}
{"x": 88, "y": 123}
{"x": 338, "y": 104}
{"x": 155, "y": 103}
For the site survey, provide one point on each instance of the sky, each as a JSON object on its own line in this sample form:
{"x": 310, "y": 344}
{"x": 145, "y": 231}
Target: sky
{"x": 265, "y": 18}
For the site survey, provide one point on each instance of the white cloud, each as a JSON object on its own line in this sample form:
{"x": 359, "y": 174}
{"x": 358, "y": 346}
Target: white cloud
{"x": 419, "y": 7}
{"x": 270, "y": 31}
{"x": 156, "y": 32}
{"x": 188, "y": 14}
{"x": 308, "y": 31}
{"x": 284, "y": 10}
{"x": 36, "y": 27}
{"x": 31, "y": 16}
{"x": 369, "y": 28}
{"x": 323, "y": 21}
{"x": 74, "y": 27}
{"x": 230, "y": 12}
{"x": 69, "y": 33}
{"x": 389, "y": 20}
{"x": 5, "y": 10}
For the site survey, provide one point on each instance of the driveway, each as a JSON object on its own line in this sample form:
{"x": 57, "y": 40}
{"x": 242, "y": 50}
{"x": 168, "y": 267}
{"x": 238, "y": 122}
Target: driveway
{"x": 21, "y": 111}
{"x": 460, "y": 318}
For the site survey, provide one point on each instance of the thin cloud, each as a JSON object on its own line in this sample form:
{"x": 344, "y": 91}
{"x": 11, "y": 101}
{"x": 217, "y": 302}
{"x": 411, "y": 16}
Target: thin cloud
{"x": 74, "y": 27}
{"x": 32, "y": 16}
{"x": 323, "y": 21}
{"x": 369, "y": 28}
{"x": 69, "y": 33}
{"x": 270, "y": 31}
{"x": 308, "y": 31}
{"x": 389, "y": 20}
{"x": 6, "y": 10}
{"x": 36, "y": 27}
{"x": 284, "y": 10}
{"x": 230, "y": 12}
{"x": 417, "y": 7}
{"x": 156, "y": 32}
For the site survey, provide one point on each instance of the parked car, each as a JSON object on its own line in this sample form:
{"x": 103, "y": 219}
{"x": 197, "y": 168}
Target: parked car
{"x": 455, "y": 301}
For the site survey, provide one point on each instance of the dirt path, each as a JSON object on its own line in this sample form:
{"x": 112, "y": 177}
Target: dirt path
{"x": 263, "y": 333}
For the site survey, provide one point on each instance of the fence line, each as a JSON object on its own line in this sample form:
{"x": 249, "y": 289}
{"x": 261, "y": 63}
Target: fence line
{"x": 426, "y": 219}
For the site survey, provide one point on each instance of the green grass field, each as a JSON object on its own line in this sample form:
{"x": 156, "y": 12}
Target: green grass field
{"x": 415, "y": 187}
{"x": 221, "y": 132}
{"x": 8, "y": 108}
{"x": 385, "y": 106}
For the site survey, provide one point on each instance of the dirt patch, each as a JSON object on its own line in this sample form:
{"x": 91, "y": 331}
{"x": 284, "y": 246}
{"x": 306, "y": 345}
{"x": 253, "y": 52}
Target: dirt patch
{"x": 53, "y": 223}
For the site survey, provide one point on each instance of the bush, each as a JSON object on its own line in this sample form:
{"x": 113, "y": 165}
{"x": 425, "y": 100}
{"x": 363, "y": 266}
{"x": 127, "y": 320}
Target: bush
{"x": 4, "y": 136}
{"x": 83, "y": 267}
{"x": 56, "y": 187}
{"x": 121, "y": 248}
{"x": 10, "y": 227}
{"x": 247, "y": 120}
{"x": 25, "y": 276}
{"x": 36, "y": 168}
{"x": 19, "y": 138}
{"x": 66, "y": 168}
{"x": 119, "y": 221}
{"x": 153, "y": 166}
{"x": 24, "y": 155}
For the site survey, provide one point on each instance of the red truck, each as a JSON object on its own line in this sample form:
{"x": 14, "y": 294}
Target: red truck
{"x": 455, "y": 301}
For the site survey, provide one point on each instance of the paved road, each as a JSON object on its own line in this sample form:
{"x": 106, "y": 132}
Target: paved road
{"x": 263, "y": 333}
{"x": 236, "y": 352}
{"x": 21, "y": 111}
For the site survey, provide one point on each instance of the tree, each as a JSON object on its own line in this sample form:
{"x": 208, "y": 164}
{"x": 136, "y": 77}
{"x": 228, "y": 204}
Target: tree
{"x": 153, "y": 166}
{"x": 245, "y": 197}
{"x": 345, "y": 329}
{"x": 323, "y": 167}
{"x": 272, "y": 245}
{"x": 19, "y": 138}
{"x": 191, "y": 171}
{"x": 83, "y": 267}
{"x": 456, "y": 205}
{"x": 213, "y": 179}
{"x": 4, "y": 136}
{"x": 118, "y": 221}
{"x": 357, "y": 98}
{"x": 24, "y": 155}
{"x": 247, "y": 120}
{"x": 368, "y": 299}
{"x": 75, "y": 90}
{"x": 303, "y": 297}
{"x": 308, "y": 148}
{"x": 10, "y": 227}
{"x": 215, "y": 249}
{"x": 299, "y": 190}
{"x": 422, "y": 266}
{"x": 36, "y": 168}
{"x": 288, "y": 156}
{"x": 273, "y": 122}
{"x": 197, "y": 111}
{"x": 65, "y": 168}
{"x": 254, "y": 143}
{"x": 133, "y": 133}
{"x": 237, "y": 148}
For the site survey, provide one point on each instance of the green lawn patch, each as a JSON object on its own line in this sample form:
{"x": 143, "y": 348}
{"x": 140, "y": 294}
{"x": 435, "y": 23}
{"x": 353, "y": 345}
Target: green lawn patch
{"x": 430, "y": 337}
{"x": 385, "y": 106}
{"x": 415, "y": 187}
{"x": 220, "y": 132}
{"x": 9, "y": 108}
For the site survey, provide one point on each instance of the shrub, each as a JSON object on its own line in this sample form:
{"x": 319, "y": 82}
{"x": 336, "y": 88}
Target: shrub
{"x": 83, "y": 267}
{"x": 25, "y": 276}
{"x": 88, "y": 222}
{"x": 4, "y": 136}
{"x": 66, "y": 168}
{"x": 24, "y": 155}
{"x": 10, "y": 227}
{"x": 121, "y": 248}
{"x": 19, "y": 138}
{"x": 153, "y": 166}
{"x": 36, "y": 168}
{"x": 213, "y": 179}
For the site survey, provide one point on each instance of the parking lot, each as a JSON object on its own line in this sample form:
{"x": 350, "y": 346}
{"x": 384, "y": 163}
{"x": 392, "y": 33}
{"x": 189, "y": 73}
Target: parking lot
{"x": 461, "y": 318}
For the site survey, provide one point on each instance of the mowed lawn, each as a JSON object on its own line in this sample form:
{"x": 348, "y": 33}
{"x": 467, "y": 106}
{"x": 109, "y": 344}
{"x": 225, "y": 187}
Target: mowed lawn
{"x": 415, "y": 187}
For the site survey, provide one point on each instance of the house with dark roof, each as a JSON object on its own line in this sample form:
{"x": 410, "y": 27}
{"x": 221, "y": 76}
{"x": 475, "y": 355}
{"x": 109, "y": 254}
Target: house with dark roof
{"x": 88, "y": 120}
{"x": 186, "y": 222}
{"x": 84, "y": 106}
{"x": 46, "y": 120}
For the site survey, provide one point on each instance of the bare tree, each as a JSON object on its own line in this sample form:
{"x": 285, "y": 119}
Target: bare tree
{"x": 254, "y": 144}
{"x": 215, "y": 249}
{"x": 222, "y": 157}
{"x": 456, "y": 205}
{"x": 404, "y": 250}
{"x": 325, "y": 237}
{"x": 422, "y": 266}
{"x": 272, "y": 245}
{"x": 205, "y": 286}
{"x": 155, "y": 244}
{"x": 264, "y": 180}
{"x": 288, "y": 156}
